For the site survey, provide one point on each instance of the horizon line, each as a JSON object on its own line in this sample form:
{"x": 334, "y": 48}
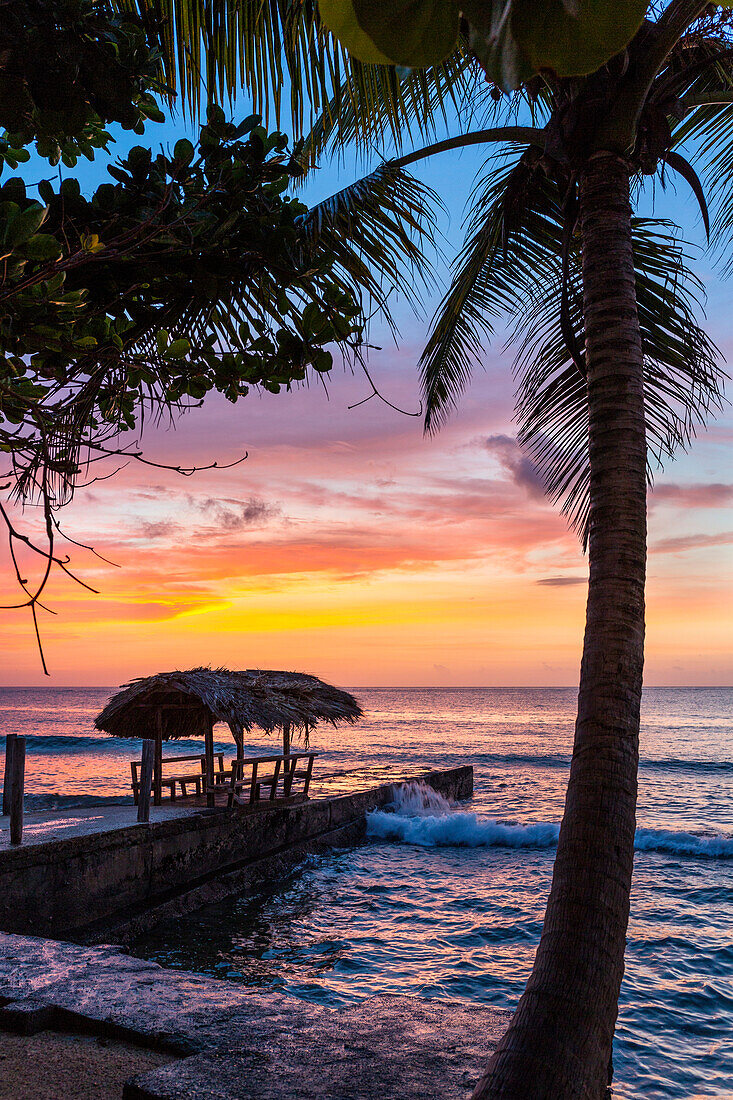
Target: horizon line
{"x": 400, "y": 687}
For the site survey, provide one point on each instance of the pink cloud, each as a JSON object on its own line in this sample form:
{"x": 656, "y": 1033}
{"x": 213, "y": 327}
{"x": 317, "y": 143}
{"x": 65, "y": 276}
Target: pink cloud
{"x": 680, "y": 543}
{"x": 715, "y": 494}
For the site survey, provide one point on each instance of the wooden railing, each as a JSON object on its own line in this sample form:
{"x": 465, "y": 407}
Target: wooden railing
{"x": 185, "y": 779}
{"x": 254, "y": 779}
{"x": 283, "y": 779}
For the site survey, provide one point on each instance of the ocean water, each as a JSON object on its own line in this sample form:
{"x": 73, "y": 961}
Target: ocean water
{"x": 447, "y": 901}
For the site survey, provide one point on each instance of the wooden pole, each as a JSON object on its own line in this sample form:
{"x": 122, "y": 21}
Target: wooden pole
{"x": 286, "y": 739}
{"x": 238, "y": 734}
{"x": 146, "y": 780}
{"x": 239, "y": 738}
{"x": 158, "y": 770}
{"x": 17, "y": 780}
{"x": 7, "y": 778}
{"x": 209, "y": 750}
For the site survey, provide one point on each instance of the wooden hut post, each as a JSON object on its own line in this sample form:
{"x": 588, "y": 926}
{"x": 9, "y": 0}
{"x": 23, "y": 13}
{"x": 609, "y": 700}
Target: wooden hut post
{"x": 209, "y": 750}
{"x": 286, "y": 739}
{"x": 158, "y": 769}
{"x": 7, "y": 779}
{"x": 238, "y": 735}
{"x": 17, "y": 764}
{"x": 146, "y": 778}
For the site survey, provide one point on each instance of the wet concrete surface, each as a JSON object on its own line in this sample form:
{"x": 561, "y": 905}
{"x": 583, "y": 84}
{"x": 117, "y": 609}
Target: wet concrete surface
{"x": 236, "y": 1043}
{"x": 44, "y": 826}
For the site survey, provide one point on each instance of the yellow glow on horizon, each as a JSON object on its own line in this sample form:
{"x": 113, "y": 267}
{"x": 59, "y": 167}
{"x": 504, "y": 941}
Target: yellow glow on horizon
{"x": 441, "y": 627}
{"x": 454, "y": 579}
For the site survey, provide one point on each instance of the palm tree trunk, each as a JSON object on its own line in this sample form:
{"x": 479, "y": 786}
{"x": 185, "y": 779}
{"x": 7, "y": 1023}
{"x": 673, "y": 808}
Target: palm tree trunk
{"x": 559, "y": 1042}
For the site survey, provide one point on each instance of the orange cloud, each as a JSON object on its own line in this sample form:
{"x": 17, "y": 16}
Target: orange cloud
{"x": 349, "y": 545}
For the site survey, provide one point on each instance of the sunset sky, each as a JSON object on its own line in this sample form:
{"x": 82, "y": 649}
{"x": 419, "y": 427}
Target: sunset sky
{"x": 349, "y": 545}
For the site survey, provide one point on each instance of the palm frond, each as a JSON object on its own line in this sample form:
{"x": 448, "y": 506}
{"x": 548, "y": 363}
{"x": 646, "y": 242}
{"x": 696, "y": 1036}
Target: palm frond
{"x": 389, "y": 107}
{"x": 380, "y": 231}
{"x": 514, "y": 239}
{"x": 682, "y": 376}
{"x": 716, "y": 157}
{"x": 678, "y": 163}
{"x": 210, "y": 49}
{"x": 704, "y": 70}
{"x": 213, "y": 49}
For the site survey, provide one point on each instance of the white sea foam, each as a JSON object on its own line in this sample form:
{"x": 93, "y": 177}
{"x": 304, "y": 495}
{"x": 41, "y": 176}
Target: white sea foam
{"x": 460, "y": 830}
{"x": 423, "y": 817}
{"x": 417, "y": 799}
{"x": 684, "y": 844}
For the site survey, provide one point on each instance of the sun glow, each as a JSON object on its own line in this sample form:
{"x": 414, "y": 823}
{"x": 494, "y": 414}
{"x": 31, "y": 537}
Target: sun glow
{"x": 349, "y": 545}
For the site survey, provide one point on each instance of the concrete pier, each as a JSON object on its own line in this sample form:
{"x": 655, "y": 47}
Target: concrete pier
{"x": 92, "y": 873}
{"x": 87, "y": 875}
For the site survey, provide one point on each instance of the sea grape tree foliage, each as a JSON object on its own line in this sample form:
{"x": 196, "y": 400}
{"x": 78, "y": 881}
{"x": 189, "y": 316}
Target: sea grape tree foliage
{"x": 190, "y": 272}
{"x": 67, "y": 68}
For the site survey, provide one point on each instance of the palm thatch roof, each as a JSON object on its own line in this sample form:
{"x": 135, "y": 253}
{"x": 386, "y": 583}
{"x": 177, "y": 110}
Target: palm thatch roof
{"x": 245, "y": 699}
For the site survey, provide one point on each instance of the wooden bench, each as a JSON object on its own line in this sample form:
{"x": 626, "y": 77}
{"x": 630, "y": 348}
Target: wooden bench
{"x": 197, "y": 778}
{"x": 247, "y": 780}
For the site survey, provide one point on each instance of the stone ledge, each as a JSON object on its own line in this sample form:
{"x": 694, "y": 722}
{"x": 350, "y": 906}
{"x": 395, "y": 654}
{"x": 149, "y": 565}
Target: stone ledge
{"x": 386, "y": 1048}
{"x": 239, "y": 1044}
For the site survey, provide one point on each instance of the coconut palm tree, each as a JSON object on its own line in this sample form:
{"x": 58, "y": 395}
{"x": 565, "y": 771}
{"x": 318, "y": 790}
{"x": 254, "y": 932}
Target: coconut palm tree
{"x": 614, "y": 372}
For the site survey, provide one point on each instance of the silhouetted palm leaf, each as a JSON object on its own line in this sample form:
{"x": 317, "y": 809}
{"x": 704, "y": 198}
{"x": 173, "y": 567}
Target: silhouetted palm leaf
{"x": 683, "y": 381}
{"x": 388, "y": 107}
{"x": 514, "y": 240}
{"x": 276, "y": 48}
{"x": 380, "y": 230}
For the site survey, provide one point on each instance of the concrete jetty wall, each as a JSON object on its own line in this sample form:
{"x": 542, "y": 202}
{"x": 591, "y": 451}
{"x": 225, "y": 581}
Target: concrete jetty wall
{"x": 87, "y": 886}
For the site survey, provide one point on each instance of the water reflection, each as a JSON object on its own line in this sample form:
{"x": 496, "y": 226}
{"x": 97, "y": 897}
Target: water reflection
{"x": 463, "y": 923}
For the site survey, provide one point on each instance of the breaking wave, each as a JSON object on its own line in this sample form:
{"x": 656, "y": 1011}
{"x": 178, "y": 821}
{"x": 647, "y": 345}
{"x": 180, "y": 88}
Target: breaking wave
{"x": 684, "y": 844}
{"x": 423, "y": 817}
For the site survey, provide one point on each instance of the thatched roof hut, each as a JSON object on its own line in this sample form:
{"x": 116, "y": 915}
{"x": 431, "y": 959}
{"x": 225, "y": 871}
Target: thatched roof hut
{"x": 171, "y": 705}
{"x": 245, "y": 700}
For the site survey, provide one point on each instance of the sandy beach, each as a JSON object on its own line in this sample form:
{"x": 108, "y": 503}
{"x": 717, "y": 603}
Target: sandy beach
{"x": 57, "y": 1066}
